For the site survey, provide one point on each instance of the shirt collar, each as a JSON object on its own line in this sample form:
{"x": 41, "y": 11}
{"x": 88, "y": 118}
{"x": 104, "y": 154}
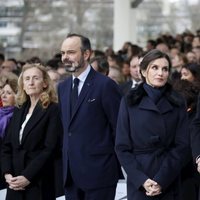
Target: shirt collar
{"x": 135, "y": 82}
{"x": 84, "y": 74}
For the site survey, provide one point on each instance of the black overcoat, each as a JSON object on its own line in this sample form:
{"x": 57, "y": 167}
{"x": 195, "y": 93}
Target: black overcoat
{"x": 34, "y": 156}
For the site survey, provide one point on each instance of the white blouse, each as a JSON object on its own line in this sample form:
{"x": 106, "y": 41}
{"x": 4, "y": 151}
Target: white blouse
{"x": 23, "y": 126}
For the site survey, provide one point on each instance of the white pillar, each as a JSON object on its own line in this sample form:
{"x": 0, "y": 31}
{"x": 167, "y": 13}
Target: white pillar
{"x": 124, "y": 23}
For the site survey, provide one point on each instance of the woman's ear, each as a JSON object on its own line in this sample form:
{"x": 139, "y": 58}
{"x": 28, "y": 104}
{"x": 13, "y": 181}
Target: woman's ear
{"x": 44, "y": 85}
{"x": 143, "y": 73}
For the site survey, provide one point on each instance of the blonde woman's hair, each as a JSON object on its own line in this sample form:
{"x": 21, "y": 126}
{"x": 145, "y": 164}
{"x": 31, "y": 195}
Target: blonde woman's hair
{"x": 46, "y": 97}
{"x": 10, "y": 79}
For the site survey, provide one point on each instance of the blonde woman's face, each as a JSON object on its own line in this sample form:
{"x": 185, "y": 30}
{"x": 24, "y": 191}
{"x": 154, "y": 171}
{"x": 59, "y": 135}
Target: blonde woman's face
{"x": 7, "y": 96}
{"x": 33, "y": 82}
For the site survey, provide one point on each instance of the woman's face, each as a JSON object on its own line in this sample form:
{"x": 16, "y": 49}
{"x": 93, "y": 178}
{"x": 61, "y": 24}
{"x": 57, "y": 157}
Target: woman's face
{"x": 33, "y": 82}
{"x": 157, "y": 72}
{"x": 187, "y": 75}
{"x": 7, "y": 96}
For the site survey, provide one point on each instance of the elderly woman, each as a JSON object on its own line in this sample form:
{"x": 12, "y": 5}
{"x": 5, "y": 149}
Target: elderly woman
{"x": 152, "y": 140}
{"x": 28, "y": 151}
{"x": 7, "y": 95}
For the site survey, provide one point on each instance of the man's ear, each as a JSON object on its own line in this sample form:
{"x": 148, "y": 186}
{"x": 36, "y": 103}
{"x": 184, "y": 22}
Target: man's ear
{"x": 87, "y": 54}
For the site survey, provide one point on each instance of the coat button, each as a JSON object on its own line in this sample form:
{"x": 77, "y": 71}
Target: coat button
{"x": 70, "y": 134}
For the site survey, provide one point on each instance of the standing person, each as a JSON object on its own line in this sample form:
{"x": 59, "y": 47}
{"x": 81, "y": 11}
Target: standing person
{"x": 196, "y": 139}
{"x": 29, "y": 147}
{"x": 8, "y": 93}
{"x": 190, "y": 178}
{"x": 90, "y": 166}
{"x": 100, "y": 64}
{"x": 135, "y": 75}
{"x": 152, "y": 139}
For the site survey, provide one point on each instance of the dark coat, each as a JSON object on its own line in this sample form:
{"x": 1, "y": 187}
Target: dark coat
{"x": 89, "y": 134}
{"x": 195, "y": 139}
{"x": 2, "y": 180}
{"x": 34, "y": 157}
{"x": 126, "y": 87}
{"x": 152, "y": 141}
{"x": 190, "y": 178}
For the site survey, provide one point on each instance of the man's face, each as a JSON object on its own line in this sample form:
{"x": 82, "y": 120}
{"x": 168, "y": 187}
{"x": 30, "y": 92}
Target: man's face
{"x": 135, "y": 69}
{"x": 72, "y": 56}
{"x": 8, "y": 66}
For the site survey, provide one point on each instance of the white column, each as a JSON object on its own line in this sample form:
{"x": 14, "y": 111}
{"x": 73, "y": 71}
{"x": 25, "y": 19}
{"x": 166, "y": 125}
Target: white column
{"x": 124, "y": 23}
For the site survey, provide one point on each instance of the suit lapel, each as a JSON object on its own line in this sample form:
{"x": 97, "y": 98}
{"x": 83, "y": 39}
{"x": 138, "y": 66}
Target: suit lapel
{"x": 34, "y": 119}
{"x": 66, "y": 100}
{"x": 86, "y": 87}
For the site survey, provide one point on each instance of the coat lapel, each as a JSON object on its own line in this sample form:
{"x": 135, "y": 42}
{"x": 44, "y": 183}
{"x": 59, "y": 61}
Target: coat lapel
{"x": 163, "y": 105}
{"x": 18, "y": 121}
{"x": 34, "y": 119}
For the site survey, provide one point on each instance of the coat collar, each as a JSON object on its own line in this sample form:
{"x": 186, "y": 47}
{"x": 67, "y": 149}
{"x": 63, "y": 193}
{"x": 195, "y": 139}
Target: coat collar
{"x": 162, "y": 106}
{"x": 36, "y": 116}
{"x": 139, "y": 96}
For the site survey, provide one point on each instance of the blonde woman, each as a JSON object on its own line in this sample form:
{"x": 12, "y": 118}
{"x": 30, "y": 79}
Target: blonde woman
{"x": 31, "y": 142}
{"x": 7, "y": 94}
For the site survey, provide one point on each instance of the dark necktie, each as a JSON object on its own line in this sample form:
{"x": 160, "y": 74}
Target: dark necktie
{"x": 136, "y": 84}
{"x": 74, "y": 94}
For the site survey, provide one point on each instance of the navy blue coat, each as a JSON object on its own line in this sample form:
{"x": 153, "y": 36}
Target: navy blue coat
{"x": 152, "y": 141}
{"x": 89, "y": 134}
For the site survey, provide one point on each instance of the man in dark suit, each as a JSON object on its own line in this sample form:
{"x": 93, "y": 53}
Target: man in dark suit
{"x": 135, "y": 75}
{"x": 91, "y": 169}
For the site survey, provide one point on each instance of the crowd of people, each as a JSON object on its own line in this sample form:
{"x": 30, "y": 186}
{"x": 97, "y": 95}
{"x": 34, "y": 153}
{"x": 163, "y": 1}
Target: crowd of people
{"x": 76, "y": 124}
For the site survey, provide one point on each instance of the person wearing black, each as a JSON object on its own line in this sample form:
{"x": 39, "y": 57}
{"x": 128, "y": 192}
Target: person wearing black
{"x": 152, "y": 139}
{"x": 30, "y": 145}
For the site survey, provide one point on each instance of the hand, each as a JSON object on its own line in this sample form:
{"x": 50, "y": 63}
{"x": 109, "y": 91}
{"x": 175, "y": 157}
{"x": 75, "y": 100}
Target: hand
{"x": 198, "y": 164}
{"x": 18, "y": 183}
{"x": 8, "y": 178}
{"x": 152, "y": 188}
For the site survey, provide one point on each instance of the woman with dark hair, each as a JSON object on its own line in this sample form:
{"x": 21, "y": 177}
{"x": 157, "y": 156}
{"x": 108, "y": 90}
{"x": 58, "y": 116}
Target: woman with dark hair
{"x": 30, "y": 145}
{"x": 152, "y": 140}
{"x": 190, "y": 179}
{"x": 191, "y": 72}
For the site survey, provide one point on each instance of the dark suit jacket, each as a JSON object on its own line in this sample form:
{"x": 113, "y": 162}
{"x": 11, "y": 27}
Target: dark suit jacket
{"x": 34, "y": 157}
{"x": 152, "y": 141}
{"x": 89, "y": 134}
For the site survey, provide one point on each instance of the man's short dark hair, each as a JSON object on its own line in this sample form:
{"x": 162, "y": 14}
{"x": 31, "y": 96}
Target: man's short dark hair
{"x": 85, "y": 42}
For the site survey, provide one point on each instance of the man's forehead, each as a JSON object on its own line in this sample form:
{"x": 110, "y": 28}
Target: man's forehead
{"x": 71, "y": 43}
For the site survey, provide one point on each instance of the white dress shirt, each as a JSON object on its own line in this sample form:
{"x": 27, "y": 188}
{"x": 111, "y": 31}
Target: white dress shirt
{"x": 82, "y": 77}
